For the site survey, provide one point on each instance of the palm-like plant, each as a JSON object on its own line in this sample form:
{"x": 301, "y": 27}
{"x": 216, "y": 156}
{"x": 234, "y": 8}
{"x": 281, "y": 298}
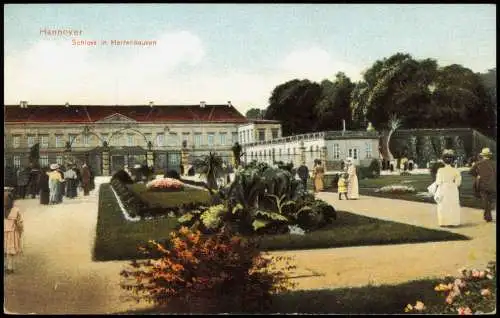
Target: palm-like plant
{"x": 211, "y": 167}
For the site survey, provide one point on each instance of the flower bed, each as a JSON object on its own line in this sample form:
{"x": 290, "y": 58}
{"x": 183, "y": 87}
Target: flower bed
{"x": 165, "y": 184}
{"x": 473, "y": 292}
{"x": 396, "y": 188}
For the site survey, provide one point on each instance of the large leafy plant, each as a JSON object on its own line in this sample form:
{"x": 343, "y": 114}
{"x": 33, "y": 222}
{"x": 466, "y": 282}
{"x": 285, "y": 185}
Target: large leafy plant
{"x": 212, "y": 168}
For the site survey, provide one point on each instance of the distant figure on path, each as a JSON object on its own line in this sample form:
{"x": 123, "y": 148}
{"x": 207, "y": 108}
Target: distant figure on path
{"x": 85, "y": 179}
{"x": 485, "y": 174}
{"x": 12, "y": 232}
{"x": 22, "y": 182}
{"x": 303, "y": 173}
{"x": 43, "y": 185}
{"x": 448, "y": 179}
{"x": 318, "y": 174}
{"x": 71, "y": 182}
{"x": 34, "y": 180}
{"x": 352, "y": 181}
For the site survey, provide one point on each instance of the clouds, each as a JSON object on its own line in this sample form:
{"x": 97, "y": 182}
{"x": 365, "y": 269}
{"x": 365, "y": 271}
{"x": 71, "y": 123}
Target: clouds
{"x": 172, "y": 72}
{"x": 317, "y": 64}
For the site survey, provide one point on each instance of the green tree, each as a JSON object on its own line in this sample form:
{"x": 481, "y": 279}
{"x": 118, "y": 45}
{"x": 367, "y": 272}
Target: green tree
{"x": 334, "y": 105}
{"x": 293, "y": 104}
{"x": 255, "y": 113}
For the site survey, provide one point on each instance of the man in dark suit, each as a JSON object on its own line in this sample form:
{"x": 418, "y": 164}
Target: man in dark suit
{"x": 303, "y": 173}
{"x": 23, "y": 181}
{"x": 485, "y": 175}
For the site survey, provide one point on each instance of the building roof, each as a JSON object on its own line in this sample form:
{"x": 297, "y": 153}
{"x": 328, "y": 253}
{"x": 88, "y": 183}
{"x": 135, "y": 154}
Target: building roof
{"x": 142, "y": 113}
{"x": 263, "y": 121}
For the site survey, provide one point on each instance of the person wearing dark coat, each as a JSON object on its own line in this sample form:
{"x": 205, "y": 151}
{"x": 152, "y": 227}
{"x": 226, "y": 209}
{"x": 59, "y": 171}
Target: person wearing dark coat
{"x": 485, "y": 176}
{"x": 62, "y": 185}
{"x": 303, "y": 173}
{"x": 22, "y": 182}
{"x": 34, "y": 181}
{"x": 43, "y": 185}
{"x": 71, "y": 183}
{"x": 85, "y": 179}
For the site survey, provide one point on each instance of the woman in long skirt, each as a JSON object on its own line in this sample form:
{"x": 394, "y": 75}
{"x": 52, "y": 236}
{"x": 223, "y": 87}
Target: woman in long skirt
{"x": 12, "y": 232}
{"x": 54, "y": 181}
{"x": 44, "y": 187}
{"x": 352, "y": 181}
{"x": 448, "y": 180}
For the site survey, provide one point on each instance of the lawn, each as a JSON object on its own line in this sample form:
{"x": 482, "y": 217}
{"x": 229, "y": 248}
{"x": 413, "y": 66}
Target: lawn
{"x": 170, "y": 199}
{"x": 117, "y": 239}
{"x": 384, "y": 299}
{"x": 420, "y": 183}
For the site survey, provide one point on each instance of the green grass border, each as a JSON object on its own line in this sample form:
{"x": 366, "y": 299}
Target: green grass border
{"x": 117, "y": 238}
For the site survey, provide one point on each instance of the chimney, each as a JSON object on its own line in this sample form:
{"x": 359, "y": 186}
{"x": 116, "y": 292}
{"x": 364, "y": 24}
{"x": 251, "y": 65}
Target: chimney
{"x": 202, "y": 104}
{"x": 23, "y": 104}
{"x": 229, "y": 103}
{"x": 151, "y": 104}
{"x": 67, "y": 104}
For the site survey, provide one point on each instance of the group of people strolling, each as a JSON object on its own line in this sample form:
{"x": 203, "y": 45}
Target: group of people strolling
{"x": 56, "y": 182}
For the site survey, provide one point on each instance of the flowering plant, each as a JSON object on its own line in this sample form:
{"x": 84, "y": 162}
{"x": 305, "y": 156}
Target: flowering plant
{"x": 473, "y": 292}
{"x": 219, "y": 270}
{"x": 396, "y": 188}
{"x": 165, "y": 184}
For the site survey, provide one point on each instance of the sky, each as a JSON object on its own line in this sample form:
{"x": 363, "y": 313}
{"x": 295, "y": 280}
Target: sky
{"x": 223, "y": 52}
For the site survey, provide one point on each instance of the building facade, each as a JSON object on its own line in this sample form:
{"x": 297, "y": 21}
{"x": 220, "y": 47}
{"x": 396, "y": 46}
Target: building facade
{"x": 332, "y": 147}
{"x": 114, "y": 136}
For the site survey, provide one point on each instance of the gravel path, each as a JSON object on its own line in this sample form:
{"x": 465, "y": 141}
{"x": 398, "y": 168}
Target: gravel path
{"x": 57, "y": 276}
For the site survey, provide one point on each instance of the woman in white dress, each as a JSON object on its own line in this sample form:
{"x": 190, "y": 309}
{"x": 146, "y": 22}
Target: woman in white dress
{"x": 352, "y": 181}
{"x": 448, "y": 179}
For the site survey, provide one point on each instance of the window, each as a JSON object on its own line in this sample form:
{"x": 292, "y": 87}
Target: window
{"x": 44, "y": 161}
{"x": 173, "y": 139}
{"x": 160, "y": 140}
{"x": 368, "y": 150}
{"x": 223, "y": 138}
{"x": 248, "y": 136}
{"x": 274, "y": 132}
{"x": 16, "y": 141}
{"x": 243, "y": 137}
{"x": 31, "y": 141}
{"x": 44, "y": 141}
{"x": 210, "y": 139}
{"x": 353, "y": 153}
{"x": 197, "y": 139}
{"x": 130, "y": 140}
{"x": 336, "y": 151}
{"x": 72, "y": 139}
{"x": 59, "y": 160}
{"x": 86, "y": 140}
{"x": 17, "y": 161}
{"x": 234, "y": 137}
{"x": 59, "y": 142}
{"x": 262, "y": 134}
{"x": 104, "y": 137}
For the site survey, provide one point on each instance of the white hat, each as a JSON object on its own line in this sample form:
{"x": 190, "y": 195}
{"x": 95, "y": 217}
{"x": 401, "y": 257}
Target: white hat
{"x": 137, "y": 166}
{"x": 54, "y": 166}
{"x": 486, "y": 152}
{"x": 348, "y": 160}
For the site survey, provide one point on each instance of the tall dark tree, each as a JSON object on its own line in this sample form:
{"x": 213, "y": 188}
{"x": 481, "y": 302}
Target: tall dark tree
{"x": 334, "y": 105}
{"x": 293, "y": 104}
{"x": 34, "y": 157}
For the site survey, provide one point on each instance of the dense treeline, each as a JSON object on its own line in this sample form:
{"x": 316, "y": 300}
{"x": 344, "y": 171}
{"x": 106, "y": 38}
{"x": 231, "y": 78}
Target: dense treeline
{"x": 419, "y": 93}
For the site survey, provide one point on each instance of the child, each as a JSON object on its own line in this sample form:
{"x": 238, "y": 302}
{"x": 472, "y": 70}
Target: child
{"x": 342, "y": 186}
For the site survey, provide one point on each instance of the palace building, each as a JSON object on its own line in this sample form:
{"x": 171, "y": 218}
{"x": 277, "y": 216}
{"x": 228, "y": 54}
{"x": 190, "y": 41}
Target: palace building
{"x": 123, "y": 134}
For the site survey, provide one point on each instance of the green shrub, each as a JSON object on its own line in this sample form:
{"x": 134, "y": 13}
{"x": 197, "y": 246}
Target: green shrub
{"x": 123, "y": 177}
{"x": 375, "y": 168}
{"x": 221, "y": 273}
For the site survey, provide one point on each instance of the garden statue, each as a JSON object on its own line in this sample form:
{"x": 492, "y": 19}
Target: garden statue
{"x": 150, "y": 145}
{"x": 105, "y": 144}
